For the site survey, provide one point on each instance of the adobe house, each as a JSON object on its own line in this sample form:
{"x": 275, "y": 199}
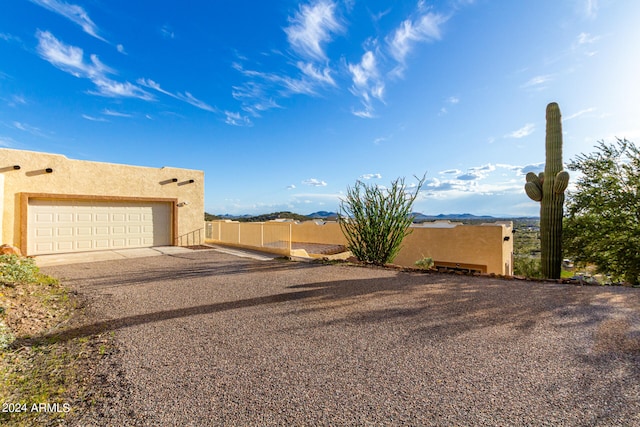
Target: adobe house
{"x": 52, "y": 204}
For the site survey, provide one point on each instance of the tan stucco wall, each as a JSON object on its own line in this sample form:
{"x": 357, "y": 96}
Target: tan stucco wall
{"x": 312, "y": 232}
{"x": 99, "y": 181}
{"x": 467, "y": 245}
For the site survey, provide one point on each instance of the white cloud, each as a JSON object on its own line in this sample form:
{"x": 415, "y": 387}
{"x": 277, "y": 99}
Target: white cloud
{"x": 367, "y": 84}
{"x": 584, "y": 43}
{"x": 586, "y": 38}
{"x": 537, "y": 82}
{"x": 371, "y": 175}
{"x": 9, "y": 37}
{"x": 485, "y": 180}
{"x": 425, "y": 28}
{"x": 452, "y": 100}
{"x": 94, "y": 119}
{"x": 314, "y": 182}
{"x": 188, "y": 98}
{"x": 311, "y": 27}
{"x": 322, "y": 199}
{"x": 535, "y": 167}
{"x": 295, "y": 86}
{"x": 185, "y": 97}
{"x": 6, "y": 141}
{"x": 33, "y": 130}
{"x": 451, "y": 172}
{"x": 255, "y": 94}
{"x": 364, "y": 71}
{"x": 512, "y": 168}
{"x": 312, "y": 72}
{"x": 483, "y": 169}
{"x": 111, "y": 88}
{"x": 121, "y": 49}
{"x": 66, "y": 57}
{"x": 526, "y": 130}
{"x": 291, "y": 187}
{"x": 477, "y": 173}
{"x": 590, "y": 8}
{"x": 236, "y": 119}
{"x": 71, "y": 60}
{"x": 27, "y": 128}
{"x": 72, "y": 12}
{"x": 115, "y": 113}
{"x": 468, "y": 177}
{"x": 167, "y": 32}
{"x": 380, "y": 140}
{"x": 367, "y": 113}
{"x": 579, "y": 113}
{"x": 17, "y": 100}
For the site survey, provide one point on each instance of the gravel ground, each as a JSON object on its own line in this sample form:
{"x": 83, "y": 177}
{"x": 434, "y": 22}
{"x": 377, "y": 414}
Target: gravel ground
{"x": 211, "y": 339}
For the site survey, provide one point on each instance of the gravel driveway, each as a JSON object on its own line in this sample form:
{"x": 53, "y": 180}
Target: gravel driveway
{"x": 207, "y": 338}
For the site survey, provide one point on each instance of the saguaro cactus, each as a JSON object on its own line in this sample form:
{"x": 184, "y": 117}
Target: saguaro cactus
{"x": 548, "y": 189}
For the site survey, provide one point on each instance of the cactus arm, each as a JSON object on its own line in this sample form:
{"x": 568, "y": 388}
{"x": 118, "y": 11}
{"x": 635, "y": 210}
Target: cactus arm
{"x": 533, "y": 190}
{"x": 532, "y": 177}
{"x": 561, "y": 182}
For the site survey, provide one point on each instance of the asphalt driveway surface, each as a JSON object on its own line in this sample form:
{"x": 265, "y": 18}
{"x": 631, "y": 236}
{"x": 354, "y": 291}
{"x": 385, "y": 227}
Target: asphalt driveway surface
{"x": 207, "y": 338}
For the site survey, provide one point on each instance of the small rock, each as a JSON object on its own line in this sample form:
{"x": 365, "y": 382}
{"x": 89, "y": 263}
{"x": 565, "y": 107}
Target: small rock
{"x": 11, "y": 250}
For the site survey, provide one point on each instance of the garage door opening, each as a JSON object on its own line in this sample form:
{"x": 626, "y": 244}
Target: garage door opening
{"x": 61, "y": 226}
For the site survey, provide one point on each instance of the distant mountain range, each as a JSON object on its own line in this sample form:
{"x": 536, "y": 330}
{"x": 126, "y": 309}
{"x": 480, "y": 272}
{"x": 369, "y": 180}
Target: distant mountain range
{"x": 325, "y": 215}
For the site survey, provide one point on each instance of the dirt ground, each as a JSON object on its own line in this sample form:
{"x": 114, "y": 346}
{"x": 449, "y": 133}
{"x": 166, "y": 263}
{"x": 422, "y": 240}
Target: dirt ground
{"x": 207, "y": 338}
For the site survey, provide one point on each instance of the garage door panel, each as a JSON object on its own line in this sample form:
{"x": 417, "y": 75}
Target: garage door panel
{"x": 44, "y": 232}
{"x": 64, "y": 217}
{"x": 68, "y": 226}
{"x": 64, "y": 231}
{"x": 84, "y": 245}
{"x": 45, "y": 247}
{"x": 66, "y": 246}
{"x": 102, "y": 244}
{"x": 44, "y": 218}
{"x": 102, "y": 217}
{"x": 102, "y": 231}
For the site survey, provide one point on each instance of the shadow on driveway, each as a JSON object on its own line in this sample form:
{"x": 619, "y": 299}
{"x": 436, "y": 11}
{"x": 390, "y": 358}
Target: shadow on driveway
{"x": 447, "y": 305}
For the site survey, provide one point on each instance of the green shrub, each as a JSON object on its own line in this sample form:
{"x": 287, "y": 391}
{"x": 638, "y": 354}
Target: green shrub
{"x": 15, "y": 269}
{"x": 425, "y": 263}
{"x": 375, "y": 220}
{"x": 527, "y": 267}
{"x": 6, "y": 337}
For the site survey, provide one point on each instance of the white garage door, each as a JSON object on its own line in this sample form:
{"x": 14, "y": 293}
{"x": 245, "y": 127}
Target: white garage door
{"x": 59, "y": 226}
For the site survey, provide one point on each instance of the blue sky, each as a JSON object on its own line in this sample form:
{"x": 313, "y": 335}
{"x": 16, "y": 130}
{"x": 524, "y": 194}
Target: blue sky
{"x": 284, "y": 104}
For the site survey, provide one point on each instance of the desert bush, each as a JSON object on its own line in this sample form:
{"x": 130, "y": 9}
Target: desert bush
{"x": 15, "y": 269}
{"x": 375, "y": 220}
{"x": 425, "y": 263}
{"x": 528, "y": 267}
